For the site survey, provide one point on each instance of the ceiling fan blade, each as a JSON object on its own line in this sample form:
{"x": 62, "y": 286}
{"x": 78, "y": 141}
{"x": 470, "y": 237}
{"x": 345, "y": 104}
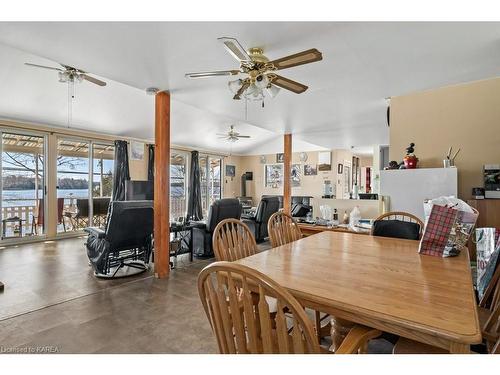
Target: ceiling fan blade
{"x": 69, "y": 67}
{"x": 288, "y": 84}
{"x": 235, "y": 49}
{"x": 43, "y": 67}
{"x": 93, "y": 80}
{"x": 305, "y": 57}
{"x": 221, "y": 134}
{"x": 215, "y": 73}
{"x": 242, "y": 89}
{"x": 243, "y": 136}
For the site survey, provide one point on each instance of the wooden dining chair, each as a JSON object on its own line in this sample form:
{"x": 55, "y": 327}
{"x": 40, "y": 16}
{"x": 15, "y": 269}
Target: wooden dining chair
{"x": 233, "y": 240}
{"x": 282, "y": 229}
{"x": 489, "y": 321}
{"x": 392, "y": 224}
{"x": 234, "y": 299}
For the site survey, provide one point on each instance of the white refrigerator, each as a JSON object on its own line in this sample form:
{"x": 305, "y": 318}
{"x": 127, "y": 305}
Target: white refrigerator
{"x": 406, "y": 189}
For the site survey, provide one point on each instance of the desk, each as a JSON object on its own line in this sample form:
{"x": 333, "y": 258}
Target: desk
{"x": 310, "y": 229}
{"x": 379, "y": 282}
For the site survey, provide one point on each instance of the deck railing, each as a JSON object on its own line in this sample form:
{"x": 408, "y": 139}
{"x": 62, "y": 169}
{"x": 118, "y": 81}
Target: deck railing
{"x": 28, "y": 212}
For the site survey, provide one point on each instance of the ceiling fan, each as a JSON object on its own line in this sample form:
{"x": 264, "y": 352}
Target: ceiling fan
{"x": 231, "y": 135}
{"x": 70, "y": 74}
{"x": 260, "y": 73}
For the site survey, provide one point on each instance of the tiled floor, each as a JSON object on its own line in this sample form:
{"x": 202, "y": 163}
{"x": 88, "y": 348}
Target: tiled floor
{"x": 53, "y": 302}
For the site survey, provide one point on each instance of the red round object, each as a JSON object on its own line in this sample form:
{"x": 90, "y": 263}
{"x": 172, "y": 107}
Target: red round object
{"x": 410, "y": 162}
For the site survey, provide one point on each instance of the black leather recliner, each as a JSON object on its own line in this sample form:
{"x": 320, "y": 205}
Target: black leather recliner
{"x": 126, "y": 240}
{"x": 221, "y": 209}
{"x": 301, "y": 205}
{"x": 258, "y": 223}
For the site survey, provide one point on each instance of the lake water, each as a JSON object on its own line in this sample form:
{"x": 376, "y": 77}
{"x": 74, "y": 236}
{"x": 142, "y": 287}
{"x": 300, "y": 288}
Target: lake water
{"x": 27, "y": 197}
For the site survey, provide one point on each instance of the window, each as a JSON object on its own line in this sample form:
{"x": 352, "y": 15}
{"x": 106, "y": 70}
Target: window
{"x": 103, "y": 165}
{"x": 22, "y": 193}
{"x": 211, "y": 187}
{"x": 72, "y": 184}
{"x": 178, "y": 182}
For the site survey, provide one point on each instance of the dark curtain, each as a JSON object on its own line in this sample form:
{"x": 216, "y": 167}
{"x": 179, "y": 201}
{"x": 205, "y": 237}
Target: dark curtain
{"x": 151, "y": 163}
{"x": 121, "y": 174}
{"x": 194, "y": 210}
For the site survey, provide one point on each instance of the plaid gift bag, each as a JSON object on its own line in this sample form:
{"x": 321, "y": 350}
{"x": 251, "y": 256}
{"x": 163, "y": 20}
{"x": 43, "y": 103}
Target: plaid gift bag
{"x": 447, "y": 229}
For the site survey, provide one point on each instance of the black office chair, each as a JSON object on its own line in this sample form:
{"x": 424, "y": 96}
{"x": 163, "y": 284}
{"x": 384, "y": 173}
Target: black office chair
{"x": 258, "y": 223}
{"x": 126, "y": 240}
{"x": 221, "y": 209}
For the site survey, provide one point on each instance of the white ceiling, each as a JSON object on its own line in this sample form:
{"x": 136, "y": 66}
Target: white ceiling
{"x": 363, "y": 63}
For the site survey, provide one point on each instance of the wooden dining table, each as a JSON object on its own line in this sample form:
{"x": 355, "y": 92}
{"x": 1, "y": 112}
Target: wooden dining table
{"x": 379, "y": 282}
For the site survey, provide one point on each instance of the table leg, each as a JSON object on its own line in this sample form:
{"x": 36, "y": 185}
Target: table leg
{"x": 191, "y": 244}
{"x": 458, "y": 348}
{"x": 340, "y": 329}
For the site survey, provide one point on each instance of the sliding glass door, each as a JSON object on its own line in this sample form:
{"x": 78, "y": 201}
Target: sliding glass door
{"x": 211, "y": 187}
{"x": 178, "y": 183}
{"x": 73, "y": 176}
{"x": 102, "y": 181}
{"x": 22, "y": 202}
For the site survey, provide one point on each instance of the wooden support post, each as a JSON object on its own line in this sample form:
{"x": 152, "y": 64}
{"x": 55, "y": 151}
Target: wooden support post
{"x": 162, "y": 185}
{"x": 287, "y": 165}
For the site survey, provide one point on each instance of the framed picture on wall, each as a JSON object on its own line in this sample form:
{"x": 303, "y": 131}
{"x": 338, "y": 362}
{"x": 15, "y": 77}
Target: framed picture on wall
{"x": 136, "y": 150}
{"x": 280, "y": 158}
{"x": 310, "y": 170}
{"x": 274, "y": 175}
{"x": 324, "y": 161}
{"x": 230, "y": 170}
{"x": 295, "y": 175}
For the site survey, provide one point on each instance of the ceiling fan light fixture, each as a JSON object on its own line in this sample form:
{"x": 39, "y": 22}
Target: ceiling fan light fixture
{"x": 251, "y": 90}
{"x": 235, "y": 85}
{"x": 62, "y": 77}
{"x": 272, "y": 90}
{"x": 262, "y": 81}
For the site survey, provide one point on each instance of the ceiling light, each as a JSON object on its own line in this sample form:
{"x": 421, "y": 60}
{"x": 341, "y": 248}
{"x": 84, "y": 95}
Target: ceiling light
{"x": 262, "y": 81}
{"x": 62, "y": 77}
{"x": 235, "y": 85}
{"x": 273, "y": 90}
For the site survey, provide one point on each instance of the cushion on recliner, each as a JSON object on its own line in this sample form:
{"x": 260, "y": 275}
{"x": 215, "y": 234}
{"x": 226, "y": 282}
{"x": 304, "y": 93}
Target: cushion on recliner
{"x": 396, "y": 229}
{"x": 227, "y": 208}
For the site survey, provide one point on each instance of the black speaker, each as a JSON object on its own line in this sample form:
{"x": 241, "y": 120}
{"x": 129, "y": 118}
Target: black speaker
{"x": 249, "y": 176}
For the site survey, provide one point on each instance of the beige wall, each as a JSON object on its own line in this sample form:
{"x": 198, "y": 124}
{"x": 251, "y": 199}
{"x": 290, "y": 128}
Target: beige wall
{"x": 465, "y": 116}
{"x": 139, "y": 168}
{"x": 232, "y": 185}
{"x": 310, "y": 185}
